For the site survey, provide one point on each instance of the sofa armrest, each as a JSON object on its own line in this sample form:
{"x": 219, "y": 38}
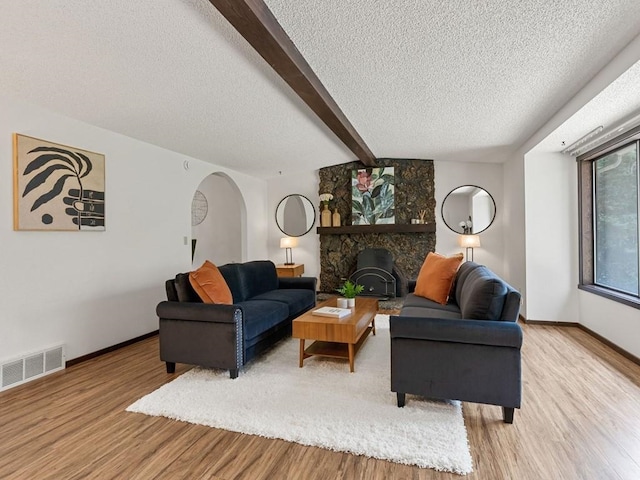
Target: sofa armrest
{"x": 478, "y": 332}
{"x": 411, "y": 285}
{"x": 197, "y": 312}
{"x": 306, "y": 283}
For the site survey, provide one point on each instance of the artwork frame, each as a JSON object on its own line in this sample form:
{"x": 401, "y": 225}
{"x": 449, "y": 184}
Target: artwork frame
{"x": 57, "y": 187}
{"x": 373, "y": 196}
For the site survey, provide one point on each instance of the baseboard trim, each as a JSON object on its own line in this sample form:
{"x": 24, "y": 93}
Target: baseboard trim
{"x": 550, "y": 324}
{"x": 597, "y": 336}
{"x": 89, "y": 356}
{"x": 609, "y": 343}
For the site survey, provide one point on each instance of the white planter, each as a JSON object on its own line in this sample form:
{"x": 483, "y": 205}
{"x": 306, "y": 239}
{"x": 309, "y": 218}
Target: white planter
{"x": 351, "y": 302}
{"x": 342, "y": 302}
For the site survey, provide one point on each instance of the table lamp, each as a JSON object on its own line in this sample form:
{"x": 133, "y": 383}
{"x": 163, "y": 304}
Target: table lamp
{"x": 469, "y": 242}
{"x": 288, "y": 243}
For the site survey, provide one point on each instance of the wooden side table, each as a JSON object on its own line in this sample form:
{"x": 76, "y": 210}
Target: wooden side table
{"x": 295, "y": 270}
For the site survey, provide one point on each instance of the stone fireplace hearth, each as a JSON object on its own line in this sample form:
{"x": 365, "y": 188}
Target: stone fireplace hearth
{"x": 414, "y": 192}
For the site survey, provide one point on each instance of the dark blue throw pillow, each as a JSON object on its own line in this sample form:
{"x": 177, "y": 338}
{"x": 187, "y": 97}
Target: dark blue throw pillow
{"x": 482, "y": 296}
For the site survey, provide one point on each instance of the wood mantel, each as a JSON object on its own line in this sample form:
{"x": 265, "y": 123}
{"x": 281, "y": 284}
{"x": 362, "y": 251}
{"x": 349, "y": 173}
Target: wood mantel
{"x": 385, "y": 228}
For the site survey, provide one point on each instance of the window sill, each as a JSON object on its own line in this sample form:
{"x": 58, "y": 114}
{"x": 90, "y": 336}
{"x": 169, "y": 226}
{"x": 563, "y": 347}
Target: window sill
{"x": 619, "y": 297}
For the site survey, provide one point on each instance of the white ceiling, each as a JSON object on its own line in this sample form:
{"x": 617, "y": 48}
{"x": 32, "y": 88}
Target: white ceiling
{"x": 448, "y": 80}
{"x": 617, "y": 102}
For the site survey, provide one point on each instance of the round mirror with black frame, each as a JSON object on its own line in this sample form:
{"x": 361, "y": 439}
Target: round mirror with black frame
{"x": 468, "y": 210}
{"x": 295, "y": 215}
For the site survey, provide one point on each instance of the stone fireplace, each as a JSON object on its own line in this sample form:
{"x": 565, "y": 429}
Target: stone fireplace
{"x": 408, "y": 244}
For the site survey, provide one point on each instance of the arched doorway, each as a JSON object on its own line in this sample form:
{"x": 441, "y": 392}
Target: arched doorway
{"x": 218, "y": 216}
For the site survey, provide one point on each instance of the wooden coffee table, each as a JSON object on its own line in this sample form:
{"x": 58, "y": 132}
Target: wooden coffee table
{"x": 336, "y": 337}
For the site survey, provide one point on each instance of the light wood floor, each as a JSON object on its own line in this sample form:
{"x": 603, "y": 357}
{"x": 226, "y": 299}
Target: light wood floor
{"x": 580, "y": 419}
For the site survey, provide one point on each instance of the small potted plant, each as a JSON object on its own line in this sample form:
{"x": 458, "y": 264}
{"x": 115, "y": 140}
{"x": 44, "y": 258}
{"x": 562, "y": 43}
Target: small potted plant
{"x": 349, "y": 290}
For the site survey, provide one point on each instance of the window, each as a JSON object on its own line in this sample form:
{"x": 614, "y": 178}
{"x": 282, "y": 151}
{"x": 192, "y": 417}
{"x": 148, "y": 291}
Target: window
{"x": 609, "y": 219}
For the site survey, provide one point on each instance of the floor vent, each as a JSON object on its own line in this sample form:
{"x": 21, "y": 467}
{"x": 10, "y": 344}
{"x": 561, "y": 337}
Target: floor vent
{"x": 29, "y": 367}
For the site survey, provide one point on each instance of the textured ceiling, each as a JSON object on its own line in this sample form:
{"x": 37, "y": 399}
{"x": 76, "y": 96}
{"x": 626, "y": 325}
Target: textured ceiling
{"x": 448, "y": 80}
{"x": 454, "y": 79}
{"x": 619, "y": 101}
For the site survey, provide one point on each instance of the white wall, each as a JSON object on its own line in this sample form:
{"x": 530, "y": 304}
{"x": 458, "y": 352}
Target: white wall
{"x": 308, "y": 249}
{"x": 514, "y": 235}
{"x": 615, "y": 322}
{"x": 448, "y": 175}
{"x": 551, "y": 203}
{"x": 91, "y": 290}
{"x": 515, "y": 245}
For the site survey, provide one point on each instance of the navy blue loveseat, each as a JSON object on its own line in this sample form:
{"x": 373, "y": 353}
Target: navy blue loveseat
{"x": 468, "y": 349}
{"x": 228, "y": 336}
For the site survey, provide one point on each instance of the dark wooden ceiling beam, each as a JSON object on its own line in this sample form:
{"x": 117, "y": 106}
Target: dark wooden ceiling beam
{"x": 255, "y": 22}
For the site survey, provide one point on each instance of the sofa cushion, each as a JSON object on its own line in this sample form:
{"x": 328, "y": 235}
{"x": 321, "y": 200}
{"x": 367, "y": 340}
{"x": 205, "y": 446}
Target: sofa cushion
{"x": 426, "y": 312}
{"x": 461, "y": 276}
{"x": 482, "y": 295}
{"x": 261, "y": 315}
{"x": 296, "y": 299}
{"x": 184, "y": 290}
{"x": 233, "y": 276}
{"x": 436, "y": 276}
{"x": 210, "y": 285}
{"x": 246, "y": 280}
{"x": 412, "y": 300}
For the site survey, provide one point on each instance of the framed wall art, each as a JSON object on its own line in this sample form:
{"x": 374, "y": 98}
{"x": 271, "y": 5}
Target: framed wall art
{"x": 57, "y": 187}
{"x": 372, "y": 196}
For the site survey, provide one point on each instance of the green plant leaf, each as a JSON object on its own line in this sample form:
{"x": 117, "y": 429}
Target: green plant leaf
{"x": 350, "y": 289}
{"x": 390, "y": 179}
{"x": 368, "y": 205}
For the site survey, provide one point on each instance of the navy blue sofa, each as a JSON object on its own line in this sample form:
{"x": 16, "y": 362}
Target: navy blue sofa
{"x": 468, "y": 349}
{"x": 228, "y": 336}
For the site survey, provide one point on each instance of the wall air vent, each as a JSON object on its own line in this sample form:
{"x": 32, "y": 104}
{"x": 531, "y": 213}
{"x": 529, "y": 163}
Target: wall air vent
{"x": 31, "y": 366}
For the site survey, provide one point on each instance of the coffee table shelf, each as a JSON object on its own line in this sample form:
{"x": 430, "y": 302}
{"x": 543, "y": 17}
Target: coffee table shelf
{"x": 335, "y": 349}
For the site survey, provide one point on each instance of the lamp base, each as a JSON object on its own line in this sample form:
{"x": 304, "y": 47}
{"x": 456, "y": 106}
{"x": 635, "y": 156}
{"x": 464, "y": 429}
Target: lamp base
{"x": 288, "y": 256}
{"x": 469, "y": 257}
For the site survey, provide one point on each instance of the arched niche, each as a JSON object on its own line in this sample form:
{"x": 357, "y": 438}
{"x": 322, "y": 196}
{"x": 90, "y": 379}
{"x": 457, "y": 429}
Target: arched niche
{"x": 219, "y": 234}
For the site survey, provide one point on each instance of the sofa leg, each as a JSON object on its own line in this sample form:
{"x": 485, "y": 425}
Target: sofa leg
{"x": 401, "y": 399}
{"x": 171, "y": 367}
{"x": 233, "y": 373}
{"x": 507, "y": 414}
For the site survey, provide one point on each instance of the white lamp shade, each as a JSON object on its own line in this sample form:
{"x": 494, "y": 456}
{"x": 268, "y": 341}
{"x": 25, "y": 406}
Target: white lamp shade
{"x": 288, "y": 242}
{"x": 469, "y": 241}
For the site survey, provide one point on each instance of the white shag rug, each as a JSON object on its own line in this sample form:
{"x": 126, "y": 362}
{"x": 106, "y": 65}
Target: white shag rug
{"x": 321, "y": 405}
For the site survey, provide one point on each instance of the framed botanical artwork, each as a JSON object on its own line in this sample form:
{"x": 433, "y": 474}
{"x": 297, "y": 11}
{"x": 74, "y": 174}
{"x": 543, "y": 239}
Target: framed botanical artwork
{"x": 372, "y": 196}
{"x": 57, "y": 187}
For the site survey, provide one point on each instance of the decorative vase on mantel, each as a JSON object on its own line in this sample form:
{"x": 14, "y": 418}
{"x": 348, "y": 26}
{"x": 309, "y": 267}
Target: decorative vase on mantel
{"x": 325, "y": 216}
{"x": 335, "y": 218}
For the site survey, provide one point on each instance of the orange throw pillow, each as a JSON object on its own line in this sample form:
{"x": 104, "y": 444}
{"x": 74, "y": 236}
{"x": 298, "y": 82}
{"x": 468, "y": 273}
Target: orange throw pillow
{"x": 210, "y": 285}
{"x": 436, "y": 276}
